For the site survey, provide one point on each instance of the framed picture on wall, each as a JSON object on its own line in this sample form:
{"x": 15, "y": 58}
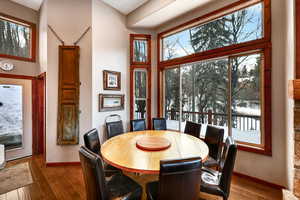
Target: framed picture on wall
{"x": 111, "y": 102}
{"x": 111, "y": 80}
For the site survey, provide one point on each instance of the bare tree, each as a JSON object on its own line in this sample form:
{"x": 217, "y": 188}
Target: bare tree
{"x": 205, "y": 84}
{"x": 14, "y": 39}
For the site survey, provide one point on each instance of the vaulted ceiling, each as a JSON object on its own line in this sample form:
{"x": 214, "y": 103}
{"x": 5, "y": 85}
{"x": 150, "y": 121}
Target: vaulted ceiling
{"x": 152, "y": 13}
{"x": 125, "y": 6}
{"x": 141, "y": 13}
{"x": 34, "y": 4}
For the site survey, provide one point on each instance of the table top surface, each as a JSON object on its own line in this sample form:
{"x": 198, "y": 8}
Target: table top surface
{"x": 121, "y": 151}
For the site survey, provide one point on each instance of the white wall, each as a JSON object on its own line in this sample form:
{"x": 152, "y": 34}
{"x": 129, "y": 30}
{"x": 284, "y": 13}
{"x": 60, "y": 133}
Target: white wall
{"x": 69, "y": 19}
{"x": 290, "y": 75}
{"x": 43, "y": 35}
{"x": 106, "y": 46}
{"x": 111, "y": 52}
{"x": 21, "y": 12}
{"x": 272, "y": 169}
{"x": 110, "y": 43}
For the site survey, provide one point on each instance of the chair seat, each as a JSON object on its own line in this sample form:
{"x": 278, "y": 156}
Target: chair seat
{"x": 210, "y": 183}
{"x": 110, "y": 170}
{"x": 211, "y": 171}
{"x": 210, "y": 178}
{"x": 210, "y": 162}
{"x": 124, "y": 188}
{"x": 152, "y": 190}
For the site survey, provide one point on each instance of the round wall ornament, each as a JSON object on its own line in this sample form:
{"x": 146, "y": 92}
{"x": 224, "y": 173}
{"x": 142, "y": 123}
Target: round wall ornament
{"x": 6, "y": 66}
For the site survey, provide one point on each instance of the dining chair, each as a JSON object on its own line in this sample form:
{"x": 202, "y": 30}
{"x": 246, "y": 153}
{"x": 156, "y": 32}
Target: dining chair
{"x": 118, "y": 186}
{"x": 159, "y": 124}
{"x": 178, "y": 179}
{"x": 214, "y": 140}
{"x": 92, "y": 142}
{"x": 218, "y": 183}
{"x": 114, "y": 128}
{"x": 137, "y": 125}
{"x": 192, "y": 128}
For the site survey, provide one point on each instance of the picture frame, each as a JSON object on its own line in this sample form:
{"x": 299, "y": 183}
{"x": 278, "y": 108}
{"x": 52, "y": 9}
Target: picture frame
{"x": 111, "y": 102}
{"x": 111, "y": 80}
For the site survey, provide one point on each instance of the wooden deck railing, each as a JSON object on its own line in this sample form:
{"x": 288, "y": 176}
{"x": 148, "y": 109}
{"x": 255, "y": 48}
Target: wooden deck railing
{"x": 240, "y": 121}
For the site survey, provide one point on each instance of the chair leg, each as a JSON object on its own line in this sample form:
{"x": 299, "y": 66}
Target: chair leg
{"x": 225, "y": 198}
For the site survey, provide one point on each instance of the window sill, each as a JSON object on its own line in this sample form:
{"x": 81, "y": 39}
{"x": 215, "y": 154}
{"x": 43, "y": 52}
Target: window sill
{"x": 17, "y": 58}
{"x": 254, "y": 149}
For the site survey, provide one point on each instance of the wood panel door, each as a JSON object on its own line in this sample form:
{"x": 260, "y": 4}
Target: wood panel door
{"x": 68, "y": 95}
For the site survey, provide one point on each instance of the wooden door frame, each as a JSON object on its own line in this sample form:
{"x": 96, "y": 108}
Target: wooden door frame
{"x": 40, "y": 104}
{"x": 35, "y": 121}
{"x": 297, "y": 12}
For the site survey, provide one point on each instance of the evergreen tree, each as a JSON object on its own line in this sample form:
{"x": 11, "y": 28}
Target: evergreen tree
{"x": 205, "y": 84}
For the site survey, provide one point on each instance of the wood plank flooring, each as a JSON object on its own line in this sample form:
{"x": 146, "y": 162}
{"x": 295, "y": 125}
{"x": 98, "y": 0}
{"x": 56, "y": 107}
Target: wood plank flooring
{"x": 66, "y": 183}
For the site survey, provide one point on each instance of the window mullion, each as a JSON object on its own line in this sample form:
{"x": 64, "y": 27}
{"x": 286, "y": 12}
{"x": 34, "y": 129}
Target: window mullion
{"x": 180, "y": 97}
{"x": 229, "y": 97}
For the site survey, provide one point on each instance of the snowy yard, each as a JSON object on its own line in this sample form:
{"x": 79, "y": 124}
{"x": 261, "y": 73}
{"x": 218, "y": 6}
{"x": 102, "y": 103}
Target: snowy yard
{"x": 11, "y": 127}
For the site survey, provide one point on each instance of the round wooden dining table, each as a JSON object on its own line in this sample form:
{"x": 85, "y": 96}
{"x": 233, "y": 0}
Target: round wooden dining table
{"x": 123, "y": 152}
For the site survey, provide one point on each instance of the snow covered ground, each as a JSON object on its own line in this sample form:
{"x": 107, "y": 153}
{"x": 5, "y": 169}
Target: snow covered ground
{"x": 244, "y": 136}
{"x": 11, "y": 126}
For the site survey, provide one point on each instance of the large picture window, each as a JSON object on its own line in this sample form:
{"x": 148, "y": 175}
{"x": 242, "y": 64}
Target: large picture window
{"x": 217, "y": 71}
{"x": 246, "y": 98}
{"x": 17, "y": 38}
{"x": 172, "y": 98}
{"x": 238, "y": 27}
{"x": 224, "y": 92}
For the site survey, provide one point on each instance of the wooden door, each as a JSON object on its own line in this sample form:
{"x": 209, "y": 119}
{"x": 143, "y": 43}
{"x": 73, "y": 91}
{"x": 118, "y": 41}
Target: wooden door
{"x": 68, "y": 95}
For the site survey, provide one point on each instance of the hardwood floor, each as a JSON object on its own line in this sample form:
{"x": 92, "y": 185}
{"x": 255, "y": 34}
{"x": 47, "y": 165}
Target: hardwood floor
{"x": 66, "y": 183}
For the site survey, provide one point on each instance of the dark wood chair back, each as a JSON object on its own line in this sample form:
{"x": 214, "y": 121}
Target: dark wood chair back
{"x": 227, "y": 164}
{"x": 93, "y": 174}
{"x": 214, "y": 139}
{"x": 113, "y": 128}
{"x": 91, "y": 141}
{"x": 192, "y": 128}
{"x": 137, "y": 125}
{"x": 180, "y": 179}
{"x": 159, "y": 124}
